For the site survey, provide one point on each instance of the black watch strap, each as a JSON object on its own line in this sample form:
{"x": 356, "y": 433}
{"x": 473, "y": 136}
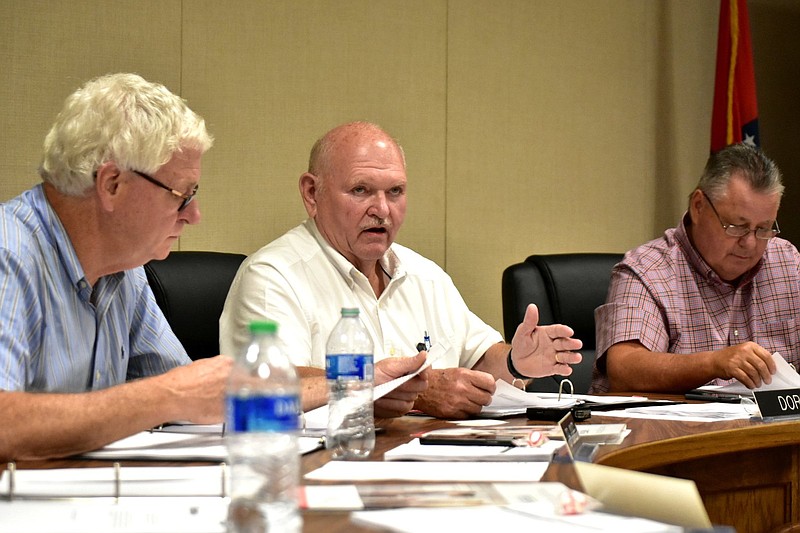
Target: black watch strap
{"x": 512, "y": 370}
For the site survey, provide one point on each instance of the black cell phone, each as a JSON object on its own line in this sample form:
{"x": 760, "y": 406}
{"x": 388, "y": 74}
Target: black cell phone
{"x": 507, "y": 436}
{"x": 710, "y": 396}
{"x": 474, "y": 440}
{"x": 554, "y": 415}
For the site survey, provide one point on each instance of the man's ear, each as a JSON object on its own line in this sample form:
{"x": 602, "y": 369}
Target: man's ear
{"x": 309, "y": 189}
{"x": 696, "y": 205}
{"x": 107, "y": 183}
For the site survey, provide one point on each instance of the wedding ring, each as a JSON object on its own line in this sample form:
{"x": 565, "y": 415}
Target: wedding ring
{"x": 557, "y": 361}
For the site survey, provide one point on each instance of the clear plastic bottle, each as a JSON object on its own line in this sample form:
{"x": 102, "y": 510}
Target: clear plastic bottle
{"x": 263, "y": 413}
{"x": 350, "y": 373}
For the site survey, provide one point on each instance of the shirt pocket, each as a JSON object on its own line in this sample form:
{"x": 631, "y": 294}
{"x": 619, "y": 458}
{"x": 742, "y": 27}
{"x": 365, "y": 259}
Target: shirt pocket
{"x": 449, "y": 357}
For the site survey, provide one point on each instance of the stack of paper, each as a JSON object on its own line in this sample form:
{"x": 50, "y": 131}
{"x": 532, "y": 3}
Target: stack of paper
{"x": 185, "y": 446}
{"x": 414, "y": 451}
{"x": 450, "y": 471}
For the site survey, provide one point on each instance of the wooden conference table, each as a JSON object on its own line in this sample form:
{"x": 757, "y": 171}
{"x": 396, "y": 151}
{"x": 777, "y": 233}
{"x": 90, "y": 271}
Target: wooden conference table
{"x": 748, "y": 472}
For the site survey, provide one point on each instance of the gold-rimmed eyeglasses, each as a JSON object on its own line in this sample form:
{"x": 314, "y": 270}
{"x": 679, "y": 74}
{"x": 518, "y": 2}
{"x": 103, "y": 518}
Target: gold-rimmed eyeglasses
{"x": 186, "y": 198}
{"x": 734, "y": 230}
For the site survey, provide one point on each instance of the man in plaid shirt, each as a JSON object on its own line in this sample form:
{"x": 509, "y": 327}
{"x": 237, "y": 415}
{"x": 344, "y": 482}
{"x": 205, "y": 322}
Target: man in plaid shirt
{"x": 714, "y": 297}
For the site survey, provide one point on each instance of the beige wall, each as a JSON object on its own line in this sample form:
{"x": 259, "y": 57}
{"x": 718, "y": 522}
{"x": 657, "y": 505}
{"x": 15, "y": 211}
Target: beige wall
{"x": 529, "y": 126}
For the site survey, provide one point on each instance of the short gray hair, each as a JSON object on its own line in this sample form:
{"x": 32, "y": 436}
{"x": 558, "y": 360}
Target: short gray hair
{"x": 747, "y": 162}
{"x": 122, "y": 118}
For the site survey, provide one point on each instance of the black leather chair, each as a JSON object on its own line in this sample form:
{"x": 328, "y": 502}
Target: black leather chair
{"x": 567, "y": 288}
{"x": 190, "y": 288}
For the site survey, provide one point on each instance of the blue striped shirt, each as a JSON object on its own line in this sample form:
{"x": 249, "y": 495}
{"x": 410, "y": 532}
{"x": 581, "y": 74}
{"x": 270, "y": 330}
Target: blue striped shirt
{"x": 54, "y": 335}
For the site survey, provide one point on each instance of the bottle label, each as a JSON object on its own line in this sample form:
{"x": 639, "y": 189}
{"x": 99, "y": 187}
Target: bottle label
{"x": 263, "y": 413}
{"x": 349, "y": 366}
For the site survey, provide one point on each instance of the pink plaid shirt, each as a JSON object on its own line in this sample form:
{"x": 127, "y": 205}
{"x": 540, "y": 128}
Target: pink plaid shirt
{"x": 664, "y": 295}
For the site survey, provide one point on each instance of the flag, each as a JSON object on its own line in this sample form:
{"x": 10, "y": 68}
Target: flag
{"x": 735, "y": 114}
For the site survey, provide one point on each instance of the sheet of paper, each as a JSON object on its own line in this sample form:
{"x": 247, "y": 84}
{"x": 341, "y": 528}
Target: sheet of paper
{"x": 161, "y": 445}
{"x": 690, "y": 412}
{"x": 318, "y": 418}
{"x": 167, "y": 446}
{"x": 137, "y": 515}
{"x": 785, "y": 377}
{"x": 506, "y": 396}
{"x": 531, "y": 517}
{"x": 428, "y": 471}
{"x": 414, "y": 451}
{"x": 395, "y": 495}
{"x": 132, "y": 481}
{"x": 628, "y": 492}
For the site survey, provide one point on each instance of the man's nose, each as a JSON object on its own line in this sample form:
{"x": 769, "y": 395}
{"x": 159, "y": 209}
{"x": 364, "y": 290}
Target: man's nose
{"x": 379, "y": 207}
{"x": 191, "y": 213}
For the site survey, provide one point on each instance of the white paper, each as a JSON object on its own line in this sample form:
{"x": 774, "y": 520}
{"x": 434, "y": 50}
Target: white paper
{"x": 331, "y": 497}
{"x": 167, "y": 446}
{"x": 519, "y": 518}
{"x": 690, "y": 412}
{"x": 414, "y": 451}
{"x": 161, "y": 445}
{"x": 138, "y": 515}
{"x": 428, "y": 471}
{"x": 506, "y": 396}
{"x": 318, "y": 418}
{"x": 785, "y": 377}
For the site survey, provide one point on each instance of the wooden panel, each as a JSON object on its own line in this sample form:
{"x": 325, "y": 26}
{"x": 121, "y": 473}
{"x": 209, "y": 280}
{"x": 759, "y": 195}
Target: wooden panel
{"x": 748, "y": 473}
{"x": 751, "y": 490}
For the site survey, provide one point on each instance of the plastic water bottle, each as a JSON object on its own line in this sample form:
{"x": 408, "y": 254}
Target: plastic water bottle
{"x": 350, "y": 374}
{"x": 263, "y": 412}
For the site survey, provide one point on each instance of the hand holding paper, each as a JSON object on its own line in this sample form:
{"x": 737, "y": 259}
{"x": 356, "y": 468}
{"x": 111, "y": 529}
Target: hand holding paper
{"x": 318, "y": 418}
{"x": 785, "y": 377}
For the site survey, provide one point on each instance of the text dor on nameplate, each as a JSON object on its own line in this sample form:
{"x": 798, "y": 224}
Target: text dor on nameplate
{"x": 782, "y": 403}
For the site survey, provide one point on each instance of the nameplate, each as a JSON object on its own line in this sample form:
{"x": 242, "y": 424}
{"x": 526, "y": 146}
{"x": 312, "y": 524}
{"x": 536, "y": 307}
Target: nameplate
{"x": 784, "y": 403}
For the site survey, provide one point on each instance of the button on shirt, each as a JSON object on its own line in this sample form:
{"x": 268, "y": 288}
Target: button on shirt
{"x": 664, "y": 295}
{"x": 302, "y": 283}
{"x": 59, "y": 334}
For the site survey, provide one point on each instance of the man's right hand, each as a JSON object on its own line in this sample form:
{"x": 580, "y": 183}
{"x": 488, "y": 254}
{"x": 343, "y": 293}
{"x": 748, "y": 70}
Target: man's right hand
{"x": 401, "y": 400}
{"x": 456, "y": 393}
{"x": 199, "y": 389}
{"x": 748, "y": 362}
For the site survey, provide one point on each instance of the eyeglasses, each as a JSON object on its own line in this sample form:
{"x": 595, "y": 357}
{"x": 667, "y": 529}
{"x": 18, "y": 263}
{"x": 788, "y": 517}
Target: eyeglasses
{"x": 733, "y": 230}
{"x": 187, "y": 198}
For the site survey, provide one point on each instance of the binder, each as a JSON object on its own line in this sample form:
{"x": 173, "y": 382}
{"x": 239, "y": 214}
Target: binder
{"x": 115, "y": 482}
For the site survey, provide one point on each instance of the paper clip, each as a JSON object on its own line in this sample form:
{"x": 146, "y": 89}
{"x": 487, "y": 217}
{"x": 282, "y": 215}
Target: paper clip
{"x": 561, "y": 388}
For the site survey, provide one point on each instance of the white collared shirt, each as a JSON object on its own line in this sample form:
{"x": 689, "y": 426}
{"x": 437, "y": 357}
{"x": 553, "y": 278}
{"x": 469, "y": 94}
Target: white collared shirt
{"x": 302, "y": 283}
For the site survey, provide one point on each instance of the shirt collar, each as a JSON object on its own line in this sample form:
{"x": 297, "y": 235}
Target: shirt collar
{"x": 56, "y": 234}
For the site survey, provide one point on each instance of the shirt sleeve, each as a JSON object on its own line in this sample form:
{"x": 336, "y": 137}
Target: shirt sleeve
{"x": 473, "y": 334}
{"x": 154, "y": 347}
{"x": 630, "y": 313}
{"x": 20, "y": 321}
{"x": 261, "y": 292}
